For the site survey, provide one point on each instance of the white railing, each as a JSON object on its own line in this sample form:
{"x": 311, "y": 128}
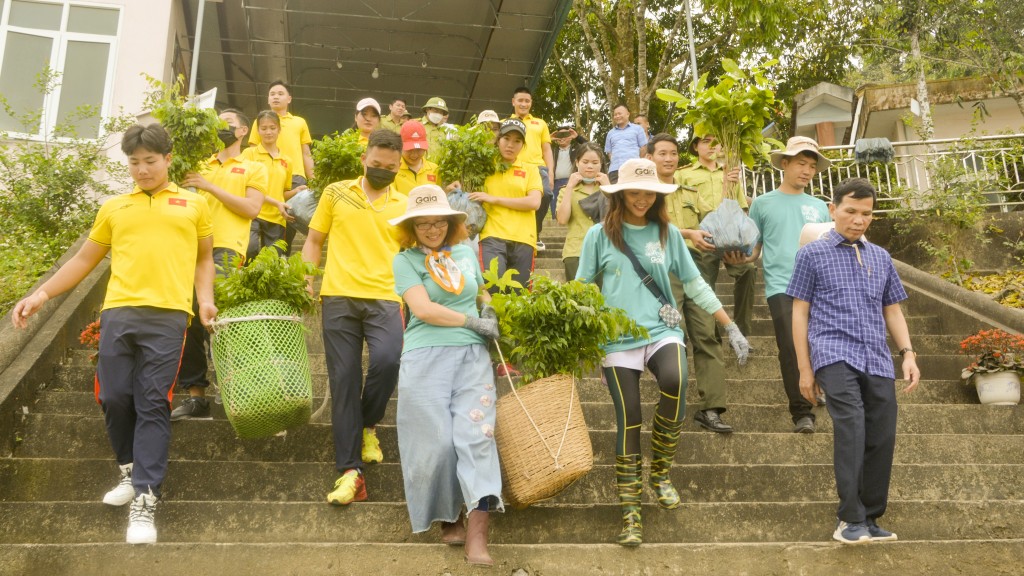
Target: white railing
{"x": 996, "y": 162}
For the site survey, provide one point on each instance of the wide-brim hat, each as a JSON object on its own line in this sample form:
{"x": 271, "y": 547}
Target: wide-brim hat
{"x": 427, "y": 200}
{"x": 436, "y": 102}
{"x": 795, "y": 146}
{"x": 639, "y": 174}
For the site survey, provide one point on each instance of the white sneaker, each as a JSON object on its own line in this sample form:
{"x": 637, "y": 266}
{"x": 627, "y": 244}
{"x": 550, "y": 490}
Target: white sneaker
{"x": 540, "y": 246}
{"x": 141, "y": 529}
{"x": 124, "y": 492}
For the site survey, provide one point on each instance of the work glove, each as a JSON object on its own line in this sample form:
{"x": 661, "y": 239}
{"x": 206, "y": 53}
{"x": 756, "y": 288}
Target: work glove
{"x": 738, "y": 342}
{"x": 486, "y": 325}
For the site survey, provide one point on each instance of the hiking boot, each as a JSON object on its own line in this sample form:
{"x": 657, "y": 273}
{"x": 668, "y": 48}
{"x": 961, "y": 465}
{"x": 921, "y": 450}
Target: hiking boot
{"x": 371, "y": 447}
{"x": 879, "y": 534}
{"x": 141, "y": 529}
{"x": 124, "y": 492}
{"x": 349, "y": 488}
{"x": 851, "y": 533}
{"x": 192, "y": 408}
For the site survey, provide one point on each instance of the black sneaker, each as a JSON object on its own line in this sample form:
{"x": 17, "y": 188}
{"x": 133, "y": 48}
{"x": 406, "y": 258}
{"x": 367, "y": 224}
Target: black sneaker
{"x": 804, "y": 425}
{"x": 193, "y": 408}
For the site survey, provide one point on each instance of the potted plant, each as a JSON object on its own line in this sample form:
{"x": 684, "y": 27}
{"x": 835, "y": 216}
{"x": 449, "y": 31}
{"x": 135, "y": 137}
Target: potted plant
{"x": 734, "y": 111}
{"x": 193, "y": 129}
{"x": 995, "y": 372}
{"x": 259, "y": 343}
{"x": 337, "y": 157}
{"x": 553, "y": 334}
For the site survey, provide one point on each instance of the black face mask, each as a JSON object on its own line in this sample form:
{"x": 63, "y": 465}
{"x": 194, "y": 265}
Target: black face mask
{"x": 227, "y": 136}
{"x": 379, "y": 178}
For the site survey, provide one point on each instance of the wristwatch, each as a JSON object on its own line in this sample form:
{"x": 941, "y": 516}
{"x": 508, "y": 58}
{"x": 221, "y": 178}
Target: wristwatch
{"x": 903, "y": 351}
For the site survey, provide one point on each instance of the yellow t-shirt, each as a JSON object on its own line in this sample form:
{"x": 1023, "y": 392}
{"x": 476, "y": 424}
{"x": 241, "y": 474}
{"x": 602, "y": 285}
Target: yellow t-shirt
{"x": 154, "y": 242}
{"x": 279, "y": 179}
{"x": 361, "y": 244}
{"x": 537, "y": 134}
{"x": 579, "y": 222}
{"x": 294, "y": 133}
{"x": 506, "y": 223}
{"x": 407, "y": 179}
{"x": 231, "y": 230}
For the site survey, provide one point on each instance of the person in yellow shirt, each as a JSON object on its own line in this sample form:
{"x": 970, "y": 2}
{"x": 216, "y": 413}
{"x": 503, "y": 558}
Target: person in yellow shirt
{"x": 510, "y": 199}
{"x": 294, "y": 139}
{"x": 709, "y": 178}
{"x": 415, "y": 169}
{"x": 269, "y": 225}
{"x": 536, "y": 151}
{"x": 393, "y": 121}
{"x": 359, "y": 304}
{"x": 367, "y": 118}
{"x": 234, "y": 188}
{"x": 160, "y": 241}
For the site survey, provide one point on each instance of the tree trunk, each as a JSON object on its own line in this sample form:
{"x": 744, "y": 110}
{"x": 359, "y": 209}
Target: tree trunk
{"x": 927, "y": 127}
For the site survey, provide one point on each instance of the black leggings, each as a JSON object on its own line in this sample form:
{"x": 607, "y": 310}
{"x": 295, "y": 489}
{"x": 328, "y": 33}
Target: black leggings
{"x": 668, "y": 365}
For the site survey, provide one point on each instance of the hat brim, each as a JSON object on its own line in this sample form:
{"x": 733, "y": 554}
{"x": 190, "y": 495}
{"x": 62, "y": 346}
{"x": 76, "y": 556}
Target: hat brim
{"x": 778, "y": 155}
{"x": 507, "y": 130}
{"x": 435, "y": 107}
{"x": 658, "y": 187}
{"x": 413, "y": 145}
{"x": 460, "y": 216}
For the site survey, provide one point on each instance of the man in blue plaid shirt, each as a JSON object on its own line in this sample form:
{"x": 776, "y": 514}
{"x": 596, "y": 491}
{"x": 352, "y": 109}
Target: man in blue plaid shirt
{"x": 846, "y": 293}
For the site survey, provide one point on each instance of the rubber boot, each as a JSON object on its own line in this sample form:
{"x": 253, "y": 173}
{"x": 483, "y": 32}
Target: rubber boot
{"x": 629, "y": 483}
{"x": 476, "y": 539}
{"x": 664, "y": 439}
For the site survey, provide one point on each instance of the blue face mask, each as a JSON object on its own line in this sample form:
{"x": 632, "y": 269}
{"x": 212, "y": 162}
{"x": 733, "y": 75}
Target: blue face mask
{"x": 589, "y": 180}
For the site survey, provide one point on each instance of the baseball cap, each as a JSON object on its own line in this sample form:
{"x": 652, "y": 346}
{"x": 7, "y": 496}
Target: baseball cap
{"x": 414, "y": 136}
{"x": 487, "y": 116}
{"x": 512, "y": 125}
{"x": 367, "y": 103}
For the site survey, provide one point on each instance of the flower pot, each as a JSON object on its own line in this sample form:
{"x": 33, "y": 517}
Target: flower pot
{"x": 998, "y": 388}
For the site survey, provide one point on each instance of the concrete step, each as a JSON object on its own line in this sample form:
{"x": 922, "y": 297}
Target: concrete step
{"x": 432, "y": 559}
{"x": 219, "y": 521}
{"x": 29, "y": 479}
{"x": 75, "y": 401}
{"x": 68, "y": 436}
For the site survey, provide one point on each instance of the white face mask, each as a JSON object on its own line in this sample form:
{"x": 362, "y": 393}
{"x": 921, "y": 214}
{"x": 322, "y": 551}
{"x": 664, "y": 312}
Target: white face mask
{"x": 434, "y": 117}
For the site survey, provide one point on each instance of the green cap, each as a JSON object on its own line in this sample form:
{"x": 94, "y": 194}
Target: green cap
{"x": 436, "y": 102}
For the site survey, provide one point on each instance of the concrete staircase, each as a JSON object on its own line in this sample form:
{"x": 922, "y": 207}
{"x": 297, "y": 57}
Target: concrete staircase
{"x": 761, "y": 501}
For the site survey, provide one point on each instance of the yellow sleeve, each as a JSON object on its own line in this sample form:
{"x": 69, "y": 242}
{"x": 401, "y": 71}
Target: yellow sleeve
{"x": 533, "y": 179}
{"x": 545, "y": 135}
{"x": 204, "y": 226}
{"x": 324, "y": 214}
{"x": 100, "y": 232}
{"x": 254, "y": 136}
{"x": 304, "y": 137}
{"x": 258, "y": 177}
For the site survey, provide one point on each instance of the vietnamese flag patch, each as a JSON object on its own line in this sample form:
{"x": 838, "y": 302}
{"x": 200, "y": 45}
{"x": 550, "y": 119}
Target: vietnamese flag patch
{"x": 520, "y": 173}
{"x": 431, "y": 178}
{"x": 177, "y": 202}
{"x": 238, "y": 170}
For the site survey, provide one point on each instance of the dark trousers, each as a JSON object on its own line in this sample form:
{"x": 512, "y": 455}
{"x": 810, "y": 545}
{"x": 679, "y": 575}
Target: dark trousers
{"x": 743, "y": 275}
{"x": 545, "y": 199}
{"x": 613, "y": 176}
{"x": 863, "y": 410}
{"x": 511, "y": 255}
{"x": 668, "y": 365}
{"x": 263, "y": 234}
{"x": 706, "y": 346}
{"x": 139, "y": 354}
{"x": 781, "y": 308}
{"x": 195, "y": 356}
{"x": 289, "y": 231}
{"x": 559, "y": 184}
{"x": 355, "y": 404}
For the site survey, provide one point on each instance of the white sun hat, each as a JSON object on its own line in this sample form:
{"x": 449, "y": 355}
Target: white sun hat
{"x": 427, "y": 200}
{"x": 639, "y": 174}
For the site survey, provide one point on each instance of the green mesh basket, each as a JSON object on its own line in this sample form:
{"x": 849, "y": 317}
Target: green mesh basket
{"x": 259, "y": 353}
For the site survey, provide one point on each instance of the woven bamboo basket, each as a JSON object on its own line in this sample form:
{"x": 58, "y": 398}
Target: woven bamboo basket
{"x": 543, "y": 441}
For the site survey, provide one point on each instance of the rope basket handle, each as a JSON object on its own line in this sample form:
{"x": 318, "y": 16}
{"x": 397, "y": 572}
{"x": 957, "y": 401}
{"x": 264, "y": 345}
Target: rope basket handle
{"x": 568, "y": 416}
{"x": 221, "y": 323}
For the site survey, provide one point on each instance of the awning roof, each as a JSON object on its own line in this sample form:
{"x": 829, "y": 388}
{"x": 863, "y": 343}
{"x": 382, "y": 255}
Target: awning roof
{"x": 472, "y": 53}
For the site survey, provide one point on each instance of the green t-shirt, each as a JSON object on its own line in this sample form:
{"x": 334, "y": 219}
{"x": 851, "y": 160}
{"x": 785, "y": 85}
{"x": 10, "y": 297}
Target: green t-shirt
{"x": 622, "y": 288}
{"x": 780, "y": 217}
{"x": 411, "y": 270}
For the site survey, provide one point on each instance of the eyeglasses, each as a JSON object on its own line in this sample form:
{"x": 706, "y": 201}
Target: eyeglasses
{"x": 424, "y": 226}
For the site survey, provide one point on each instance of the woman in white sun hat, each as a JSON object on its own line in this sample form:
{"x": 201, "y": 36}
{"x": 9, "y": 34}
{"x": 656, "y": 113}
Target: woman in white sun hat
{"x": 446, "y": 394}
{"x": 633, "y": 252}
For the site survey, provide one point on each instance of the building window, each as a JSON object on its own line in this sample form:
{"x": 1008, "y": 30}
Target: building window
{"x": 78, "y": 41}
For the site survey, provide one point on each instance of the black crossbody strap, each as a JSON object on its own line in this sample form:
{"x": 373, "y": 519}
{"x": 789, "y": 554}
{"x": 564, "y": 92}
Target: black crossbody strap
{"x": 645, "y": 278}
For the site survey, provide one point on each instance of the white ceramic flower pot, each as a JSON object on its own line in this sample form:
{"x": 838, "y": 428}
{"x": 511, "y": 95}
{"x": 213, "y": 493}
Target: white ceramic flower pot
{"x": 998, "y": 388}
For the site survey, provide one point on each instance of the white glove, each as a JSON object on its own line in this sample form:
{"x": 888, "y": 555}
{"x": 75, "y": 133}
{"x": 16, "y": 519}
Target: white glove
{"x": 738, "y": 342}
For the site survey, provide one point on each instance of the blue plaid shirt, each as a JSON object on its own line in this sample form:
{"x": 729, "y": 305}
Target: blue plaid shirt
{"x": 847, "y": 286}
